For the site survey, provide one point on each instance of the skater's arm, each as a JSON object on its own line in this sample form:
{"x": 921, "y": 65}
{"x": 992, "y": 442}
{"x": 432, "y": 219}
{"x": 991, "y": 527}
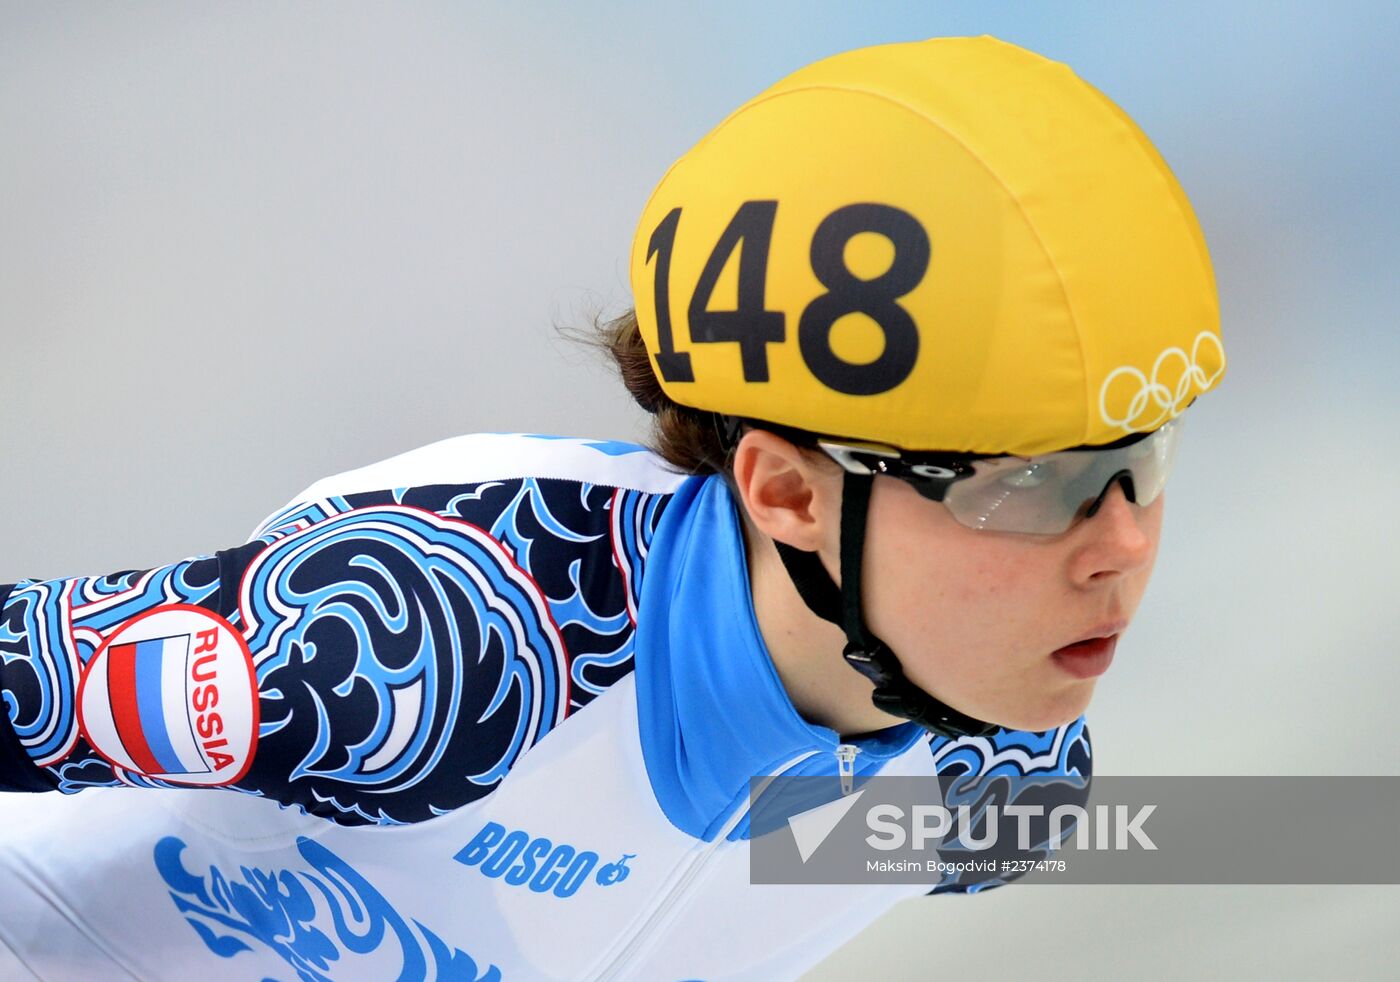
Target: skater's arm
{"x": 365, "y": 666}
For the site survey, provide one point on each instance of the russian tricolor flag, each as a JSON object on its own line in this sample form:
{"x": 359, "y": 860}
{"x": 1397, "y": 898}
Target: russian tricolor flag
{"x": 147, "y": 683}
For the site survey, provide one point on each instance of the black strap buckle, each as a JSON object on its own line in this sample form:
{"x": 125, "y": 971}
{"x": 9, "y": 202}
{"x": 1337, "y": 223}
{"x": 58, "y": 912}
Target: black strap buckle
{"x": 896, "y": 695}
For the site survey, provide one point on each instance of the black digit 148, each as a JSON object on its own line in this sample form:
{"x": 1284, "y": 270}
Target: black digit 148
{"x": 753, "y": 327}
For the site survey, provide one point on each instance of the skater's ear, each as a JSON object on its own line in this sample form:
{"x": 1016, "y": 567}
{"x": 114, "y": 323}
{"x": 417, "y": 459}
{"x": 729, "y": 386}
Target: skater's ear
{"x": 791, "y": 494}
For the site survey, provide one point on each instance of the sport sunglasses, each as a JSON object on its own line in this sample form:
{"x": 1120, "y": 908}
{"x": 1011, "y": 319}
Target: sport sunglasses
{"x": 1042, "y": 495}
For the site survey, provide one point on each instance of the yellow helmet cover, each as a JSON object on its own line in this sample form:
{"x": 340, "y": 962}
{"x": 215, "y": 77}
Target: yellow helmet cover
{"x": 953, "y": 244}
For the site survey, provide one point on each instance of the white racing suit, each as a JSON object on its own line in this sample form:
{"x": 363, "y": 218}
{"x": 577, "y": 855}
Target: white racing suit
{"x": 504, "y": 696}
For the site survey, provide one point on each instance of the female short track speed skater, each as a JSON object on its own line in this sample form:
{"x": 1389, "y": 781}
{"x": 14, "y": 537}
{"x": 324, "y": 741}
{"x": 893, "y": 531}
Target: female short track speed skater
{"x": 917, "y": 325}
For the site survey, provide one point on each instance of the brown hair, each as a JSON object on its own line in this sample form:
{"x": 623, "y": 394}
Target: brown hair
{"x": 688, "y": 439}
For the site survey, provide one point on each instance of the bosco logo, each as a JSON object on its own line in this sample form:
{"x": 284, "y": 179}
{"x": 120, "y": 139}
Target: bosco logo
{"x": 171, "y": 695}
{"x": 520, "y": 859}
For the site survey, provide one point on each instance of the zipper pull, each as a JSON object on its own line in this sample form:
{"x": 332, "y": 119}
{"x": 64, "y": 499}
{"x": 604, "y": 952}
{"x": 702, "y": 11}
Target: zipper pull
{"x": 846, "y": 765}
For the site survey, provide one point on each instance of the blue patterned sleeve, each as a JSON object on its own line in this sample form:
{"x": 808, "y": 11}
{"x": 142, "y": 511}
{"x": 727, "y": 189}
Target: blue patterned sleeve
{"x": 378, "y": 658}
{"x": 385, "y": 655}
{"x": 381, "y": 665}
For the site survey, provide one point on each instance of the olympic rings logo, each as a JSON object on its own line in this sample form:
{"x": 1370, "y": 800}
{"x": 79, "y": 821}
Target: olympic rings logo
{"x": 1168, "y": 399}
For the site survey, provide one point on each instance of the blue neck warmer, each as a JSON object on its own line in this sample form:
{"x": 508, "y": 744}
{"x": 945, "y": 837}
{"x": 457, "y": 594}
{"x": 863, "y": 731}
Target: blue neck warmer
{"x": 712, "y": 710}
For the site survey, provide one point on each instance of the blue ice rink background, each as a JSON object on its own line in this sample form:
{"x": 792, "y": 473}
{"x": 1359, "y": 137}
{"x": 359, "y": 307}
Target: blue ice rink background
{"x": 246, "y": 246}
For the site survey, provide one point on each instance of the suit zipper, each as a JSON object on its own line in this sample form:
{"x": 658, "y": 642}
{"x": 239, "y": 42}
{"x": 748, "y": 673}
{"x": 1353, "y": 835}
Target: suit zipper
{"x": 846, "y": 766}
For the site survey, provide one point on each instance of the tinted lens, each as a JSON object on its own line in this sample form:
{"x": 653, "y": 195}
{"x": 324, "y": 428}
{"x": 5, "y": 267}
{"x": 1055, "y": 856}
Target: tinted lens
{"x": 1046, "y": 495}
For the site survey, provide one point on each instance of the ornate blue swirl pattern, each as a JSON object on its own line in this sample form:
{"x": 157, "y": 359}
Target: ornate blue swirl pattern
{"x": 319, "y": 920}
{"x": 550, "y": 570}
{"x": 385, "y": 640}
{"x": 1010, "y": 767}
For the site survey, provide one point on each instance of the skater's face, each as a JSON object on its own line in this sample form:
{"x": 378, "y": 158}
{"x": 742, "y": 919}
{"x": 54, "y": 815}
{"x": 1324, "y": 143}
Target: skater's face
{"x": 977, "y": 617}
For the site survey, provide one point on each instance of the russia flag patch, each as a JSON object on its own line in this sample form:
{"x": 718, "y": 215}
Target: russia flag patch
{"x": 171, "y": 695}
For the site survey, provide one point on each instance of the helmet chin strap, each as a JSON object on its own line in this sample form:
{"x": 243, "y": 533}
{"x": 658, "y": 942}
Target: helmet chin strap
{"x": 864, "y": 652}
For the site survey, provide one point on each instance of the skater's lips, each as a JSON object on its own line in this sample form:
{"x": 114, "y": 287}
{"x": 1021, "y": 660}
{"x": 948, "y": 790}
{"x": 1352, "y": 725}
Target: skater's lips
{"x": 1106, "y": 630}
{"x": 1090, "y": 656}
